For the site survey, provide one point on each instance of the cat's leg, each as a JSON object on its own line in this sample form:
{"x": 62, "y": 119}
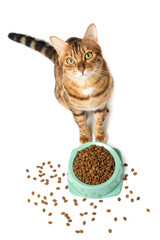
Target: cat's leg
{"x": 80, "y": 119}
{"x": 99, "y": 132}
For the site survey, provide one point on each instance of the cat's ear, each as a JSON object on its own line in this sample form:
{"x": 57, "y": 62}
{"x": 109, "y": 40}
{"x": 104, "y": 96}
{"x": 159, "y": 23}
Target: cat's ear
{"x": 91, "y": 34}
{"x": 59, "y": 44}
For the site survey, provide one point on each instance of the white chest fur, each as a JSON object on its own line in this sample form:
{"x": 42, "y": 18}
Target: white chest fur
{"x": 88, "y": 91}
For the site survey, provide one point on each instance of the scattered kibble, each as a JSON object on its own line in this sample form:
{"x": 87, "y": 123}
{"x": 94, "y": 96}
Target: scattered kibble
{"x": 125, "y": 164}
{"x": 108, "y": 210}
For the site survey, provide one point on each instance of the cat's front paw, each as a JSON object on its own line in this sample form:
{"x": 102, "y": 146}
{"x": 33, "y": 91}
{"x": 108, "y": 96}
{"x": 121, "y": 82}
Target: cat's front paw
{"x": 84, "y": 139}
{"x": 101, "y": 138}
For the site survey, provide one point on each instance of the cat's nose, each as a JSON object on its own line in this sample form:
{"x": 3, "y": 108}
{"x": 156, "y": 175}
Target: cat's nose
{"x": 81, "y": 67}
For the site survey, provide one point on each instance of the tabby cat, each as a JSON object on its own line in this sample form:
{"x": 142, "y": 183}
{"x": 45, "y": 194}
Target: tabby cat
{"x": 83, "y": 80}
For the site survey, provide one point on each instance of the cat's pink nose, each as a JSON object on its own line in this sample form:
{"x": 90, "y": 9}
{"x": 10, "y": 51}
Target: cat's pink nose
{"x": 81, "y": 67}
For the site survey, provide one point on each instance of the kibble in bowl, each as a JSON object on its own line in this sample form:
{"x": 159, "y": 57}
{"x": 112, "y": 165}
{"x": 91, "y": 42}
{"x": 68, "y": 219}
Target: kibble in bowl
{"x": 95, "y": 171}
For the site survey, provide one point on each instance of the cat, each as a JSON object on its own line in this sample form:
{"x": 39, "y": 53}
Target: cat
{"x": 83, "y": 81}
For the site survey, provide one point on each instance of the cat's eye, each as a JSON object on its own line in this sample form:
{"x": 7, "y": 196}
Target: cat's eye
{"x": 70, "y": 61}
{"x": 88, "y": 55}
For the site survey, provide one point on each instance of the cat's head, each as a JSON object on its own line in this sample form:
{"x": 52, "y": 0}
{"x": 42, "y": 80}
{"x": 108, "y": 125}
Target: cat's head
{"x": 80, "y": 58}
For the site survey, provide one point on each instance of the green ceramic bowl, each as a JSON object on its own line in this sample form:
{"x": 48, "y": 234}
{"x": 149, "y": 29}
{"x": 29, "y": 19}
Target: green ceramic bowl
{"x": 111, "y": 187}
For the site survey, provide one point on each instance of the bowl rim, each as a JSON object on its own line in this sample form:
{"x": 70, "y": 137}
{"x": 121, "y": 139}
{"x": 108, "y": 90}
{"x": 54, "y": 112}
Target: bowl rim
{"x": 112, "y": 152}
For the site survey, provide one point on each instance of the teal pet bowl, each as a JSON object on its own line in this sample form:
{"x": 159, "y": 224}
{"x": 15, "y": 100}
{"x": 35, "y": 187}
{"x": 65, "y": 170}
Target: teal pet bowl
{"x": 111, "y": 187}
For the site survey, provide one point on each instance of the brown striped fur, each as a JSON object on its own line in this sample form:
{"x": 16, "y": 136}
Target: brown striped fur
{"x": 83, "y": 86}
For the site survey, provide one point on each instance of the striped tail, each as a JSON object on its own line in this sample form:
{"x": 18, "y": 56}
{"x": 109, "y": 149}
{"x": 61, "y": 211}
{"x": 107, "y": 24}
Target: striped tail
{"x": 39, "y": 45}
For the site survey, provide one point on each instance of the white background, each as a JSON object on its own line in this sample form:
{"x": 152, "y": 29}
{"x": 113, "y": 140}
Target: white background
{"x": 35, "y": 128}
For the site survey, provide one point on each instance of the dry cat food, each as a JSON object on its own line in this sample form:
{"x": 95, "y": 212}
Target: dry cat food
{"x": 41, "y": 200}
{"x": 93, "y": 165}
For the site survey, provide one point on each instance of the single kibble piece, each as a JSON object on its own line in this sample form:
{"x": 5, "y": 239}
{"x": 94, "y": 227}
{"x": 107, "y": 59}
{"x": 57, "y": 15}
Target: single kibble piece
{"x": 28, "y": 200}
{"x": 125, "y": 164}
{"x": 67, "y": 224}
{"x": 95, "y": 207}
{"x": 126, "y": 175}
{"x": 42, "y": 180}
{"x": 35, "y": 203}
{"x": 100, "y": 201}
{"x": 132, "y": 199}
{"x": 91, "y": 204}
{"x": 84, "y": 199}
{"x": 34, "y": 178}
{"x": 76, "y": 204}
{"x": 58, "y": 188}
{"x": 84, "y": 222}
{"x": 51, "y": 166}
{"x": 148, "y": 210}
{"x": 28, "y": 176}
{"x": 54, "y": 170}
{"x": 49, "y": 162}
{"x": 63, "y": 174}
{"x": 27, "y": 170}
{"x": 126, "y": 187}
{"x": 50, "y": 222}
{"x": 110, "y": 230}
{"x": 119, "y": 199}
{"x": 92, "y": 219}
{"x": 93, "y": 213}
{"x": 43, "y": 210}
{"x": 115, "y": 219}
{"x": 125, "y": 179}
{"x": 32, "y": 193}
{"x": 108, "y": 210}
{"x": 69, "y": 220}
{"x": 131, "y": 192}
{"x": 93, "y": 165}
{"x": 40, "y": 171}
{"x": 81, "y": 214}
{"x": 38, "y": 195}
{"x": 62, "y": 213}
{"x": 50, "y": 214}
{"x": 124, "y": 218}
{"x": 55, "y": 204}
{"x": 138, "y": 198}
{"x": 135, "y": 173}
{"x": 127, "y": 196}
{"x": 85, "y": 213}
{"x": 132, "y": 170}
{"x": 51, "y": 194}
{"x": 66, "y": 187}
{"x": 44, "y": 197}
{"x": 58, "y": 165}
{"x": 54, "y": 200}
{"x": 43, "y": 163}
